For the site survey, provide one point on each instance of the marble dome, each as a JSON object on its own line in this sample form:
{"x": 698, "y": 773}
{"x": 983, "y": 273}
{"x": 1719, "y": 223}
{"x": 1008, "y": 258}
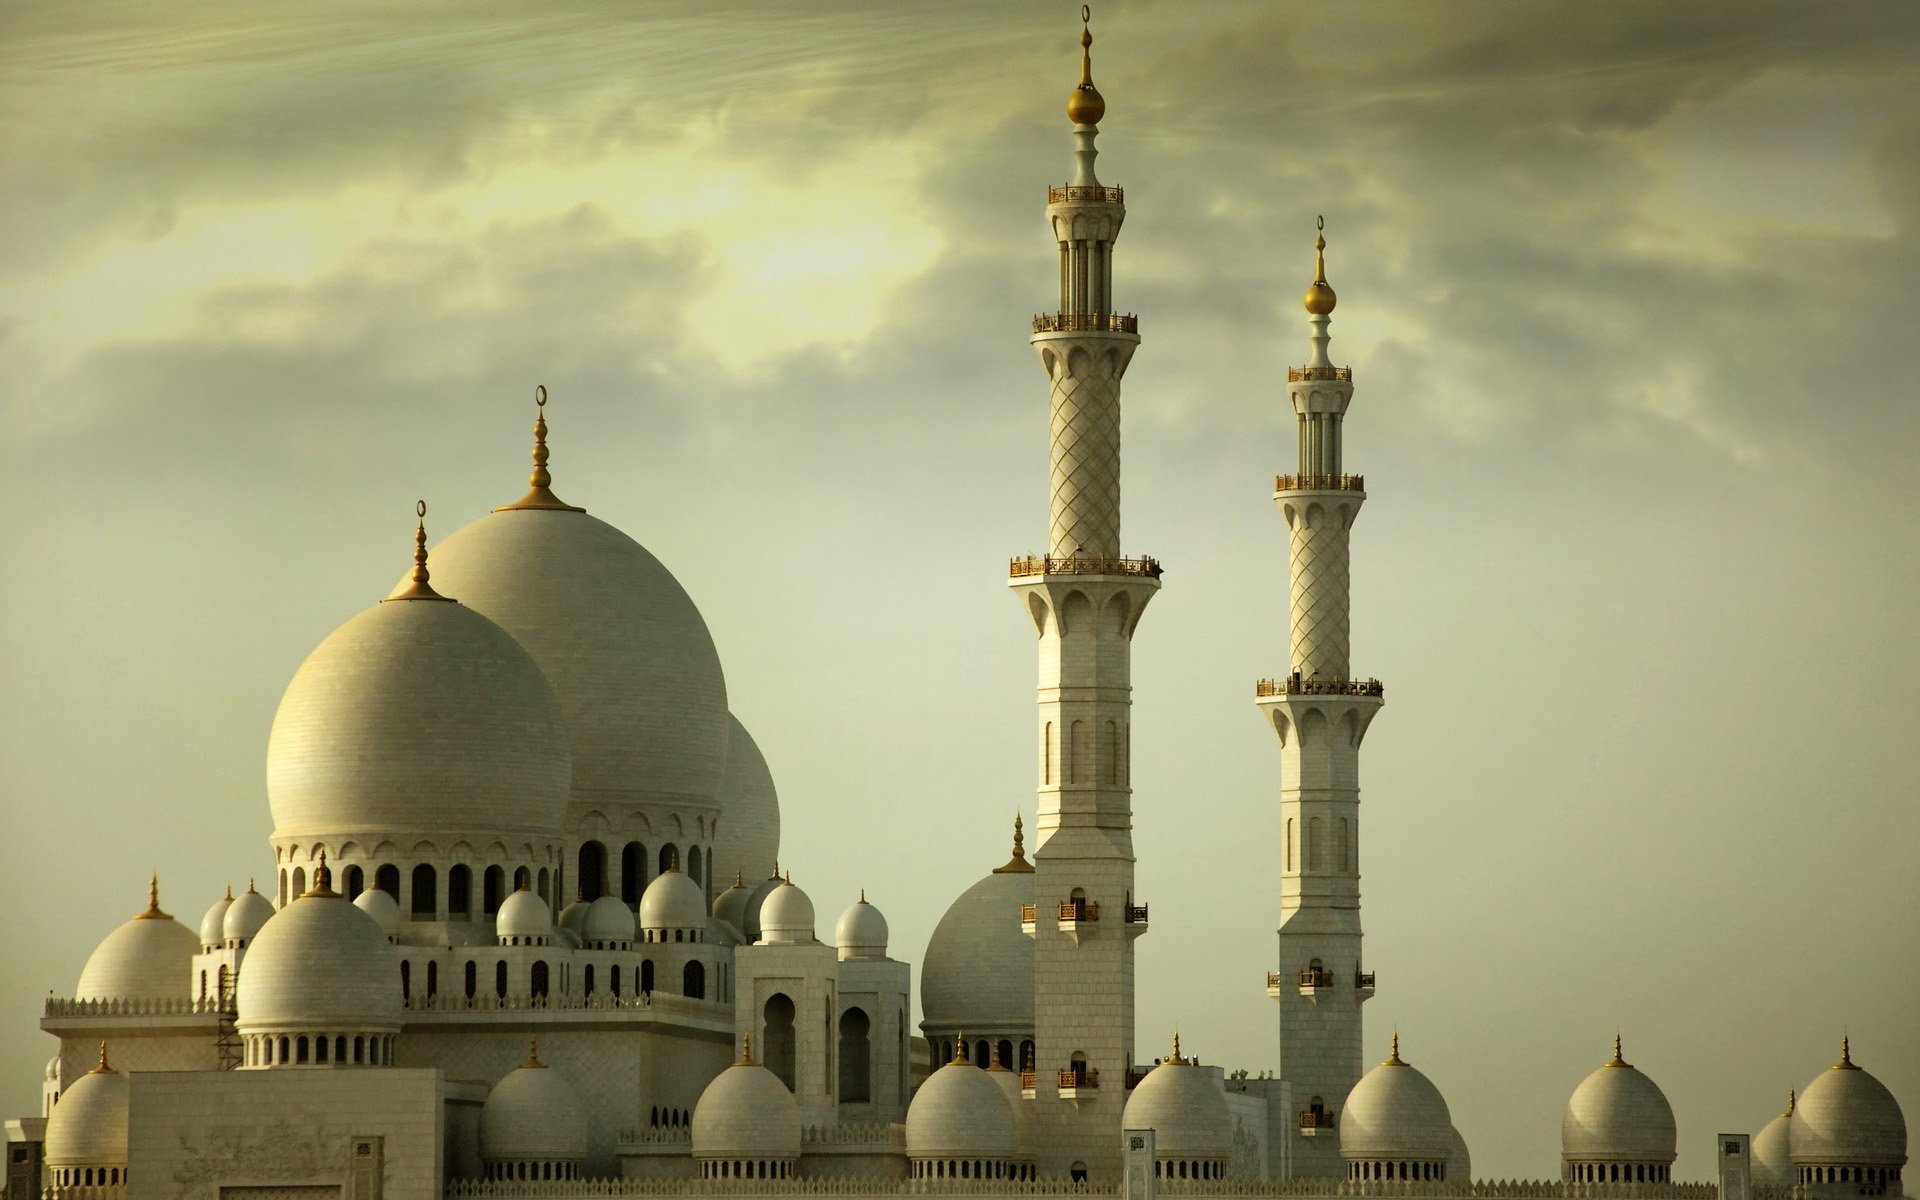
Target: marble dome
{"x": 214, "y": 921}
{"x": 1023, "y": 1134}
{"x": 747, "y": 842}
{"x": 1396, "y": 1113}
{"x": 414, "y": 717}
{"x": 533, "y": 1115}
{"x": 756, "y": 898}
{"x": 786, "y": 917}
{"x": 746, "y": 1113}
{"x": 1460, "y": 1161}
{"x": 731, "y": 905}
{"x": 1184, "y": 1105}
{"x": 960, "y": 1113}
{"x": 320, "y": 965}
{"x": 523, "y": 914}
{"x": 250, "y": 911}
{"x": 978, "y": 970}
{"x": 607, "y": 919}
{"x": 639, "y": 683}
{"x": 672, "y": 901}
{"x": 1846, "y": 1117}
{"x": 384, "y": 909}
{"x": 147, "y": 958}
{"x": 89, "y": 1126}
{"x": 861, "y": 931}
{"x": 1617, "y": 1115}
{"x": 1773, "y": 1150}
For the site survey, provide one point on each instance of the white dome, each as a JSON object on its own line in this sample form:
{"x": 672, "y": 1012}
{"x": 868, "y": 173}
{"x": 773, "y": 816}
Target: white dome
{"x": 533, "y": 1115}
{"x": 523, "y": 914}
{"x": 756, "y": 899}
{"x": 607, "y": 919}
{"x": 321, "y": 964}
{"x": 959, "y": 1113}
{"x": 673, "y": 901}
{"x": 1009, "y": 1084}
{"x": 747, "y": 843}
{"x": 384, "y": 909}
{"x": 862, "y": 931}
{"x": 1617, "y": 1115}
{"x": 1846, "y": 1117}
{"x": 636, "y": 673}
{"x": 418, "y": 716}
{"x": 88, "y": 1128}
{"x": 211, "y": 924}
{"x": 731, "y": 905}
{"x": 1185, "y": 1107}
{"x": 1395, "y": 1112}
{"x": 147, "y": 958}
{"x": 978, "y": 970}
{"x": 787, "y": 916}
{"x": 1459, "y": 1162}
{"x": 53, "y": 1069}
{"x": 746, "y": 1113}
{"x": 573, "y": 918}
{"x": 243, "y": 921}
{"x": 1773, "y": 1151}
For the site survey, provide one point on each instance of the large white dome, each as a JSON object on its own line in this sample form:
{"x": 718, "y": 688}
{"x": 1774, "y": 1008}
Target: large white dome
{"x": 1617, "y": 1115}
{"x": 88, "y": 1128}
{"x": 533, "y": 1115}
{"x": 861, "y": 931}
{"x": 414, "y": 717}
{"x": 1773, "y": 1150}
{"x": 637, "y": 675}
{"x": 1846, "y": 1117}
{"x": 746, "y": 1113}
{"x": 248, "y": 915}
{"x": 978, "y": 971}
{"x": 786, "y": 916}
{"x": 672, "y": 901}
{"x": 959, "y": 1113}
{"x": 1395, "y": 1112}
{"x": 748, "y": 844}
{"x": 320, "y": 965}
{"x": 148, "y": 958}
{"x": 1185, "y": 1107}
{"x": 523, "y": 916}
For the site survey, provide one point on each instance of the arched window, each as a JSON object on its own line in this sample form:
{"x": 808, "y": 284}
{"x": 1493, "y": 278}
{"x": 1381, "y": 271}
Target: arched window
{"x": 538, "y": 982}
{"x": 1342, "y": 849}
{"x": 425, "y": 902}
{"x": 1046, "y": 753}
{"x": 633, "y": 873}
{"x": 593, "y": 870}
{"x": 493, "y": 886}
{"x": 1003, "y": 1054}
{"x": 473, "y": 977}
{"x": 433, "y": 979}
{"x": 355, "y": 881}
{"x": 616, "y": 979}
{"x": 387, "y": 879}
{"x": 459, "y": 891}
{"x": 542, "y": 886}
{"x": 693, "y": 865}
{"x": 1079, "y": 754}
{"x": 1289, "y": 843}
{"x": 1113, "y": 753}
{"x": 586, "y": 978}
{"x": 1078, "y": 1066}
{"x": 856, "y": 1057}
{"x": 406, "y": 982}
{"x": 1314, "y": 838}
{"x": 693, "y": 981}
{"x": 777, "y": 1036}
{"x": 299, "y": 884}
{"x": 669, "y": 857}
{"x": 646, "y": 976}
{"x": 1026, "y": 1054}
{"x": 500, "y": 979}
{"x": 979, "y": 1058}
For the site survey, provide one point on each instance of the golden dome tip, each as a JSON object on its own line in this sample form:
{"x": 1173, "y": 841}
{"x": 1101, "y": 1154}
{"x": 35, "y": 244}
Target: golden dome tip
{"x": 1319, "y": 300}
{"x": 1085, "y": 105}
{"x": 540, "y": 481}
{"x": 417, "y": 587}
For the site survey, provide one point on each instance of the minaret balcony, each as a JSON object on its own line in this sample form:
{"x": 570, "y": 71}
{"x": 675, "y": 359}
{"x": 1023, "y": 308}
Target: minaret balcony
{"x": 1363, "y": 983}
{"x": 1136, "y": 920}
{"x": 1079, "y": 193}
{"x": 1274, "y": 981}
{"x": 1028, "y": 919}
{"x": 1316, "y": 1123}
{"x": 1294, "y": 685}
{"x": 1078, "y": 1084}
{"x": 1308, "y": 374}
{"x": 1079, "y": 918}
{"x": 1319, "y": 483}
{"x": 1081, "y": 564}
{"x": 1029, "y": 1083}
{"x": 1312, "y": 983}
{"x": 1086, "y": 323}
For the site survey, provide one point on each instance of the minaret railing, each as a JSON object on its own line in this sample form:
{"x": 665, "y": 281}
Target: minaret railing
{"x": 1086, "y": 323}
{"x": 1078, "y": 193}
{"x": 1081, "y": 564}
{"x": 1293, "y": 685}
{"x": 1319, "y": 483}
{"x": 1304, "y": 374}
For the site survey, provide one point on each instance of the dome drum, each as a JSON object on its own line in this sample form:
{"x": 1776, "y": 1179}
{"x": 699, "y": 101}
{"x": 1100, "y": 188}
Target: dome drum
{"x": 429, "y": 886}
{"x": 356, "y": 1049}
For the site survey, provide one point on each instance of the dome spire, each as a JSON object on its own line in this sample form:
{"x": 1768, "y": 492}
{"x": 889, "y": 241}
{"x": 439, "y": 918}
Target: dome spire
{"x": 1319, "y": 300}
{"x": 746, "y": 1050}
{"x": 1085, "y": 104}
{"x": 1393, "y": 1058}
{"x": 153, "y": 912}
{"x": 540, "y": 490}
{"x": 533, "y": 1054}
{"x": 105, "y": 1067}
{"x": 1792, "y": 1099}
{"x": 417, "y": 587}
{"x": 1018, "y": 864}
{"x": 322, "y": 888}
{"x": 1846, "y": 1055}
{"x": 1617, "y": 1061}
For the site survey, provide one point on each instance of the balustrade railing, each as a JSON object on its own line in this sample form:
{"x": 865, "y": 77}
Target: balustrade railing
{"x": 1081, "y": 564}
{"x": 1079, "y": 910}
{"x": 1136, "y": 914}
{"x": 1363, "y": 980}
{"x": 1319, "y": 483}
{"x": 1086, "y": 323}
{"x": 1310, "y": 1119}
{"x": 1029, "y": 1080}
{"x": 58, "y": 1006}
{"x": 1273, "y": 979}
{"x": 1311, "y": 978}
{"x": 1293, "y": 685}
{"x": 660, "y": 1002}
{"x": 1027, "y": 914}
{"x": 1088, "y": 1077}
{"x": 1304, "y": 374}
{"x": 1080, "y": 193}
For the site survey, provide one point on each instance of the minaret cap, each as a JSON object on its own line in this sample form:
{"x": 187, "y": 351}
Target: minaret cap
{"x": 417, "y": 587}
{"x": 1320, "y": 299}
{"x": 1085, "y": 105}
{"x": 540, "y": 492}
{"x": 1018, "y": 864}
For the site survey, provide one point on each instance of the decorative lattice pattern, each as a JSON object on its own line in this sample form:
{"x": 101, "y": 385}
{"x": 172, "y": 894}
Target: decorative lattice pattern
{"x": 1085, "y": 475}
{"x": 1319, "y": 602}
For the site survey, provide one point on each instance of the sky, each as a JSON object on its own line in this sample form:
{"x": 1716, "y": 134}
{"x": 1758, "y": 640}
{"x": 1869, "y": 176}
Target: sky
{"x": 1628, "y": 292}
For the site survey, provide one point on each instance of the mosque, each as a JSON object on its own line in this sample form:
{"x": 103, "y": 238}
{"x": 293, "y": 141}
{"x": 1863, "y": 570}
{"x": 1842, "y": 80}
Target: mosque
{"x": 528, "y": 934}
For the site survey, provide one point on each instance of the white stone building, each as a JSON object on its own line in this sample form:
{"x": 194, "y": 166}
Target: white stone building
{"x": 526, "y": 933}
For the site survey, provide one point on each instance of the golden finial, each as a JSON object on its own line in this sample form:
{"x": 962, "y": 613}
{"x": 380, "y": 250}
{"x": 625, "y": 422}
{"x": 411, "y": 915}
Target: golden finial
{"x": 533, "y": 1054}
{"x": 229, "y": 893}
{"x": 1320, "y": 298}
{"x": 863, "y": 895}
{"x": 746, "y": 1050}
{"x": 1018, "y": 864}
{"x": 322, "y": 881}
{"x": 1393, "y": 1055}
{"x": 105, "y": 1067}
{"x": 153, "y": 912}
{"x": 1085, "y": 105}
{"x": 789, "y": 878}
{"x": 1846, "y": 1055}
{"x": 1617, "y": 1060}
{"x": 739, "y": 878}
{"x": 959, "y": 1048}
{"x": 1792, "y": 1099}
{"x": 540, "y": 494}
{"x": 417, "y": 587}
{"x": 1176, "y": 1060}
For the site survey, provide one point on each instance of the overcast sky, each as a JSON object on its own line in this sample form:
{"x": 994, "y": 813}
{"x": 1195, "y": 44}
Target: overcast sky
{"x": 1628, "y": 290}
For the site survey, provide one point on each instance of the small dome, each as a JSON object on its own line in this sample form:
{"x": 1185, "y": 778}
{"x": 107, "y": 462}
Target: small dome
{"x": 1773, "y": 1150}
{"x": 88, "y": 1128}
{"x": 862, "y": 931}
{"x": 608, "y": 919}
{"x": 746, "y": 1113}
{"x": 523, "y": 915}
{"x": 250, "y": 911}
{"x": 533, "y": 1115}
{"x": 573, "y": 918}
{"x": 320, "y": 964}
{"x": 384, "y": 909}
{"x": 148, "y": 958}
{"x": 1009, "y": 1084}
{"x": 1395, "y": 1112}
{"x": 731, "y": 905}
{"x": 417, "y": 717}
{"x": 1846, "y": 1117}
{"x": 1184, "y": 1105}
{"x": 960, "y": 1113}
{"x": 673, "y": 901}
{"x": 1460, "y": 1161}
{"x": 1617, "y": 1115}
{"x": 53, "y": 1069}
{"x": 787, "y": 916}
{"x": 210, "y": 925}
{"x": 748, "y": 840}
{"x": 756, "y": 899}
{"x": 978, "y": 970}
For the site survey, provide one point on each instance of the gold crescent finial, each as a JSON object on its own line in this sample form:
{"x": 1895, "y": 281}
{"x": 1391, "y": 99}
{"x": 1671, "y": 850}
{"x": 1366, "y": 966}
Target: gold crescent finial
{"x": 540, "y": 489}
{"x": 863, "y": 895}
{"x": 322, "y": 881}
{"x": 1393, "y": 1055}
{"x": 959, "y": 1047}
{"x": 417, "y": 587}
{"x": 229, "y": 893}
{"x": 1320, "y": 299}
{"x": 1792, "y": 1099}
{"x": 1085, "y": 105}
{"x": 1176, "y": 1048}
{"x": 746, "y": 1049}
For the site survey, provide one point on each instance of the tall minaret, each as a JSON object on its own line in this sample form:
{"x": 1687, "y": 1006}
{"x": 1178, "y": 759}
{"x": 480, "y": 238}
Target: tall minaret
{"x": 1320, "y": 713}
{"x": 1084, "y": 599}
